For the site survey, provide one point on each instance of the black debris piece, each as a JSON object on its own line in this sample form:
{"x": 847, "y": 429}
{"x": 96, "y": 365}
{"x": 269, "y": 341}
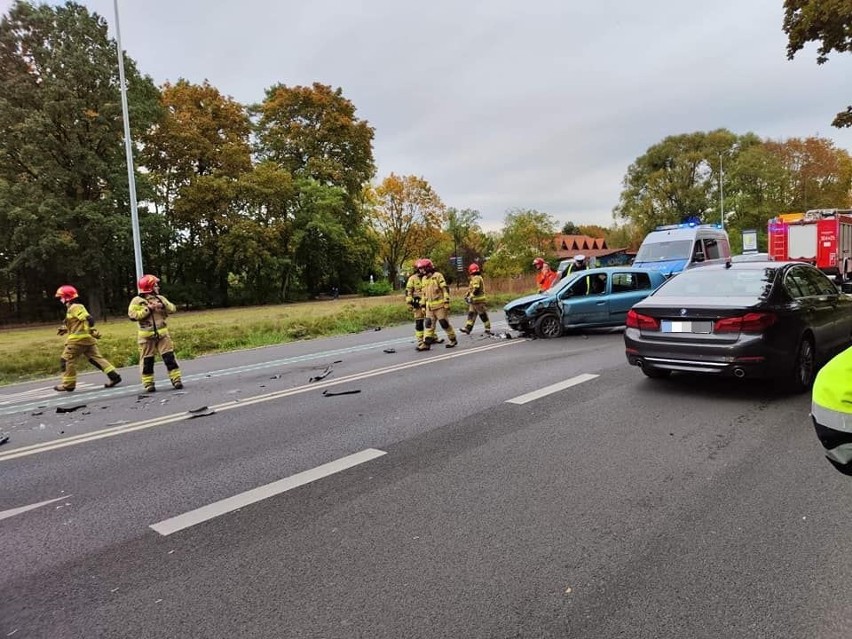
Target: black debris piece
{"x": 328, "y": 393}
{"x": 322, "y": 375}
{"x": 69, "y": 409}
{"x": 378, "y": 328}
{"x": 38, "y": 412}
{"x": 202, "y": 411}
{"x": 4, "y": 437}
{"x": 389, "y": 350}
{"x": 278, "y": 376}
{"x": 141, "y": 397}
{"x": 337, "y": 361}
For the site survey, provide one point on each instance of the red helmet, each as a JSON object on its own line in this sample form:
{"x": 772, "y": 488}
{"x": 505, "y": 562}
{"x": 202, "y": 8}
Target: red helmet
{"x": 473, "y": 268}
{"x": 538, "y": 262}
{"x": 425, "y": 264}
{"x": 147, "y": 283}
{"x": 66, "y": 293}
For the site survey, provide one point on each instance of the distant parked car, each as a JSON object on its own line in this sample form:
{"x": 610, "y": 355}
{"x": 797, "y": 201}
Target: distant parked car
{"x": 751, "y": 257}
{"x": 591, "y": 298}
{"x": 750, "y": 319}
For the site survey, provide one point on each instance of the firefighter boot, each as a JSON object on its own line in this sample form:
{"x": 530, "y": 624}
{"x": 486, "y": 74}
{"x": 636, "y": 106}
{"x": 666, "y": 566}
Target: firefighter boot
{"x": 114, "y": 379}
{"x": 422, "y": 346}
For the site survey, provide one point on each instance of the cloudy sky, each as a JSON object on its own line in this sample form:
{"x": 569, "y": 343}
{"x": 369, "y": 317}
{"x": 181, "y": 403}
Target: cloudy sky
{"x": 534, "y": 104}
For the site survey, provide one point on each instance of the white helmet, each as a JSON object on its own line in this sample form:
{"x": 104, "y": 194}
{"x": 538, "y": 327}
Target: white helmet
{"x": 580, "y": 258}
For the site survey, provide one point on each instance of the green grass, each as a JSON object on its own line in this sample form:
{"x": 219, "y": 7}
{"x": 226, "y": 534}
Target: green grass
{"x": 33, "y": 352}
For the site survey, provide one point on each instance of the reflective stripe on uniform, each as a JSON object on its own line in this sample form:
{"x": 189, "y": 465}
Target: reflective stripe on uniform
{"x": 835, "y": 420}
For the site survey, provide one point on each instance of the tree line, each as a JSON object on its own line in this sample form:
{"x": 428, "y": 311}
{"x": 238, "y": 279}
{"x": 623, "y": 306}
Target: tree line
{"x": 279, "y": 200}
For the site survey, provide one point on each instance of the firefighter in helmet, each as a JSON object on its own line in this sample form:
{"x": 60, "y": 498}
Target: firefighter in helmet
{"x": 414, "y": 298}
{"x": 80, "y": 340}
{"x": 831, "y": 410}
{"x": 476, "y": 301}
{"x": 546, "y": 276}
{"x": 150, "y": 310}
{"x": 436, "y": 297}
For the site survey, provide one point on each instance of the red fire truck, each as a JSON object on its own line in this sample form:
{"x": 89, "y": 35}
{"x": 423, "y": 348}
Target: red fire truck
{"x": 822, "y": 237}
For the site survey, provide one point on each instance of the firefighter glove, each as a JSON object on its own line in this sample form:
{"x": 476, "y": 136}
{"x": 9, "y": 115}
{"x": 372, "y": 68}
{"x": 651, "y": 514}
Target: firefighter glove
{"x": 95, "y": 333}
{"x": 468, "y": 299}
{"x": 62, "y": 330}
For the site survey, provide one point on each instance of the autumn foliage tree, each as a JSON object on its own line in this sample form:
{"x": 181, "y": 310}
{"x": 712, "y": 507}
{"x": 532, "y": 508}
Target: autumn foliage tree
{"x": 408, "y": 216}
{"x": 828, "y": 22}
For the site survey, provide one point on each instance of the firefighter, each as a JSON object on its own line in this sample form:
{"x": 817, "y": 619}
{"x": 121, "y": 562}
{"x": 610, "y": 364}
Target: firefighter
{"x": 831, "y": 410}
{"x": 436, "y": 297}
{"x": 414, "y": 298}
{"x": 546, "y": 276}
{"x": 81, "y": 339}
{"x": 150, "y": 310}
{"x": 476, "y": 301}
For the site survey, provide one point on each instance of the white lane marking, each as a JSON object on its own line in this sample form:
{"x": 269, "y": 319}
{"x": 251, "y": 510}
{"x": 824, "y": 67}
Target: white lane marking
{"x": 22, "y": 509}
{"x": 35, "y": 449}
{"x": 43, "y": 393}
{"x": 553, "y": 388}
{"x": 210, "y": 511}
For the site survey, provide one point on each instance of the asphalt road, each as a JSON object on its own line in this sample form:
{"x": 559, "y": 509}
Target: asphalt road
{"x": 445, "y": 498}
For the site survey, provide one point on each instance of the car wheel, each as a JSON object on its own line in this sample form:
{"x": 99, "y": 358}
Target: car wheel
{"x": 548, "y": 326}
{"x": 804, "y": 367}
{"x": 655, "y": 373}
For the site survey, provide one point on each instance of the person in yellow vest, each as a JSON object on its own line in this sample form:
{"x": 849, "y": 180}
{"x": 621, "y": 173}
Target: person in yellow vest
{"x": 476, "y": 301}
{"x": 80, "y": 341}
{"x": 436, "y": 297}
{"x": 831, "y": 410}
{"x": 150, "y": 310}
{"x": 414, "y": 298}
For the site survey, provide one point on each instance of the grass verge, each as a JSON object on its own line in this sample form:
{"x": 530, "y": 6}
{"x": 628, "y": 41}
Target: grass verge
{"x": 33, "y": 352}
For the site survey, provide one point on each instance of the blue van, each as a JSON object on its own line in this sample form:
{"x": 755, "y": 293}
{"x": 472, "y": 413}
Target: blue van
{"x": 673, "y": 248}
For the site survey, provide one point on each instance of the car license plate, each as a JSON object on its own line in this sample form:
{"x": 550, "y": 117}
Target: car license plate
{"x": 670, "y": 326}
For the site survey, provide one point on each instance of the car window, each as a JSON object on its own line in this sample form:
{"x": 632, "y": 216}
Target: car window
{"x": 711, "y": 249}
{"x": 624, "y": 282}
{"x": 711, "y": 282}
{"x": 820, "y": 282}
{"x": 805, "y": 285}
{"x": 659, "y": 251}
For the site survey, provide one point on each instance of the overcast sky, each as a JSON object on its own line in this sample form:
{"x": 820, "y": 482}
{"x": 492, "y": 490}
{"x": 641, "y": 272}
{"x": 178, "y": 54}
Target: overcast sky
{"x": 534, "y": 104}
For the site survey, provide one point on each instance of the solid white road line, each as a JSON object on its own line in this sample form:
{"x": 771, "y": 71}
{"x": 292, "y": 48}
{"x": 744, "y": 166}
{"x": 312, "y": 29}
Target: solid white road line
{"x": 34, "y": 449}
{"x": 205, "y": 513}
{"x": 553, "y": 388}
{"x": 17, "y": 511}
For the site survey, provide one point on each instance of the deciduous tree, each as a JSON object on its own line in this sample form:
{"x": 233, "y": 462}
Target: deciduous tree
{"x": 828, "y": 22}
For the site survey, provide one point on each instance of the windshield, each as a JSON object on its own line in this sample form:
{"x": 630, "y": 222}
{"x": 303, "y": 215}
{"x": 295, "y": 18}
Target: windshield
{"x": 702, "y": 282}
{"x": 660, "y": 251}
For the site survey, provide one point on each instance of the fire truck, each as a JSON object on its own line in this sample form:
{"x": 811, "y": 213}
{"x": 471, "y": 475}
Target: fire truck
{"x": 822, "y": 237}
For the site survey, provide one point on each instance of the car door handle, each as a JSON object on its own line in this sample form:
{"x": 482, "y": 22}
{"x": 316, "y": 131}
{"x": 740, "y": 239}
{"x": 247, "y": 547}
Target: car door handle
{"x": 600, "y": 303}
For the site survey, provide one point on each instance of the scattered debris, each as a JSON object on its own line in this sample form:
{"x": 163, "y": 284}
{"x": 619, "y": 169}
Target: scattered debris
{"x": 4, "y": 437}
{"x": 37, "y": 413}
{"x": 322, "y": 375}
{"x": 389, "y": 350}
{"x": 328, "y": 393}
{"x": 159, "y": 601}
{"x": 263, "y": 385}
{"x": 69, "y": 409}
{"x": 139, "y": 398}
{"x": 234, "y": 392}
{"x": 278, "y": 376}
{"x": 378, "y": 328}
{"x": 203, "y": 411}
{"x": 87, "y": 412}
{"x": 114, "y": 590}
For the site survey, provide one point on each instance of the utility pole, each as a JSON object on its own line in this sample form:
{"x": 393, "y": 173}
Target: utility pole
{"x": 128, "y": 149}
{"x": 721, "y": 192}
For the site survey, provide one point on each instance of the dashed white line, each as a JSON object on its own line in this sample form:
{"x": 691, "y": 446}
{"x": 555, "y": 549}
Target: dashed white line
{"x": 211, "y": 511}
{"x": 553, "y": 388}
{"x": 22, "y": 509}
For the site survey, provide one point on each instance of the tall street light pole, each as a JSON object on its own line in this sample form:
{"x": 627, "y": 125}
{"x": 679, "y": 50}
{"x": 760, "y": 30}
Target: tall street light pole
{"x": 128, "y": 149}
{"x": 721, "y": 192}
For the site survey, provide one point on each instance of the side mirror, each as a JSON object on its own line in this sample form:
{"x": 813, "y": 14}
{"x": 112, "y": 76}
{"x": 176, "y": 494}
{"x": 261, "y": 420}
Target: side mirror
{"x": 698, "y": 257}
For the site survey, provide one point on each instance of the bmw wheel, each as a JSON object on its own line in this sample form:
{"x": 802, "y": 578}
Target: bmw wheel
{"x": 804, "y": 368}
{"x": 548, "y": 326}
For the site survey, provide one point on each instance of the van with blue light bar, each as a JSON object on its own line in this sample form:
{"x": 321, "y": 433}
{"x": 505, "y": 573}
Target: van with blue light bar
{"x": 676, "y": 247}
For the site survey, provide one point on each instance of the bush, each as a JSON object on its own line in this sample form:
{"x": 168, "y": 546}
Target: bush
{"x": 375, "y": 289}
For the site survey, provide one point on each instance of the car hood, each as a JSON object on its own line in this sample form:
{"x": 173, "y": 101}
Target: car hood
{"x": 664, "y": 266}
{"x": 522, "y": 302}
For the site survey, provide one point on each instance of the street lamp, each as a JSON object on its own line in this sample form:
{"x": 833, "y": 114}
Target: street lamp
{"x": 721, "y": 192}
{"x": 128, "y": 149}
